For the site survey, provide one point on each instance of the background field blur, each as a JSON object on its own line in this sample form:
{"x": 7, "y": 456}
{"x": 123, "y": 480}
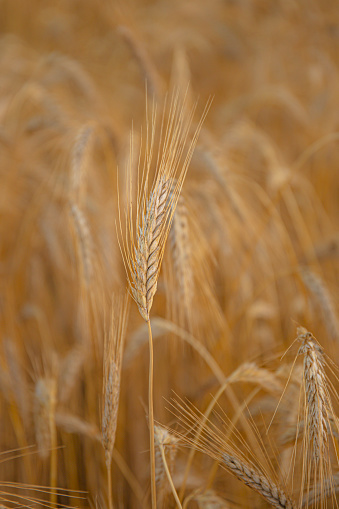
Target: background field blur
{"x": 257, "y": 252}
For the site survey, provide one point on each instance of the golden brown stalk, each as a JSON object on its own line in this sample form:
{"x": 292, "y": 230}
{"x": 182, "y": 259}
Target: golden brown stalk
{"x": 273, "y": 493}
{"x": 151, "y": 416}
{"x": 111, "y": 387}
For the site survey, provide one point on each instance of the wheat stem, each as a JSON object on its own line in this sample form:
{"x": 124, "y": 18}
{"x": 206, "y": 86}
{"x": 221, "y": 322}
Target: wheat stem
{"x": 109, "y": 483}
{"x": 151, "y": 416}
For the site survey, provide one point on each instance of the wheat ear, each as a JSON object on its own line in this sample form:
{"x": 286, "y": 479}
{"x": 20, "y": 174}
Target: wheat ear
{"x": 84, "y": 240}
{"x": 111, "y": 387}
{"x": 143, "y": 253}
{"x": 148, "y": 250}
{"x": 257, "y": 481}
{"x": 316, "y": 396}
{"x": 182, "y": 259}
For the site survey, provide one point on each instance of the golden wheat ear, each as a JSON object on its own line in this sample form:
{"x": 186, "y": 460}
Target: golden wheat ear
{"x": 146, "y": 225}
{"x": 319, "y": 425}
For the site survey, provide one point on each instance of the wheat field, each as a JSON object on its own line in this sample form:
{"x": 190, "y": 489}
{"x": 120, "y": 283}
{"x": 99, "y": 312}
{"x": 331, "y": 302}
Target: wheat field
{"x": 169, "y": 254}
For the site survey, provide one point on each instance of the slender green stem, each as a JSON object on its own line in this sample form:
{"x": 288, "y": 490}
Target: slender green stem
{"x": 151, "y": 416}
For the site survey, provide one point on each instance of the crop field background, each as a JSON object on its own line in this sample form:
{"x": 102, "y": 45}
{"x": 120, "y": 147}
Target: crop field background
{"x": 169, "y": 224}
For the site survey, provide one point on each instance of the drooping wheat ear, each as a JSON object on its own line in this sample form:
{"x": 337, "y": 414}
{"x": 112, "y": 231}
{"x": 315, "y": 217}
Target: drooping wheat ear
{"x": 44, "y": 414}
{"x": 324, "y": 300}
{"x": 165, "y": 444}
{"x": 274, "y": 494}
{"x": 84, "y": 240}
{"x": 317, "y": 400}
{"x": 113, "y": 352}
